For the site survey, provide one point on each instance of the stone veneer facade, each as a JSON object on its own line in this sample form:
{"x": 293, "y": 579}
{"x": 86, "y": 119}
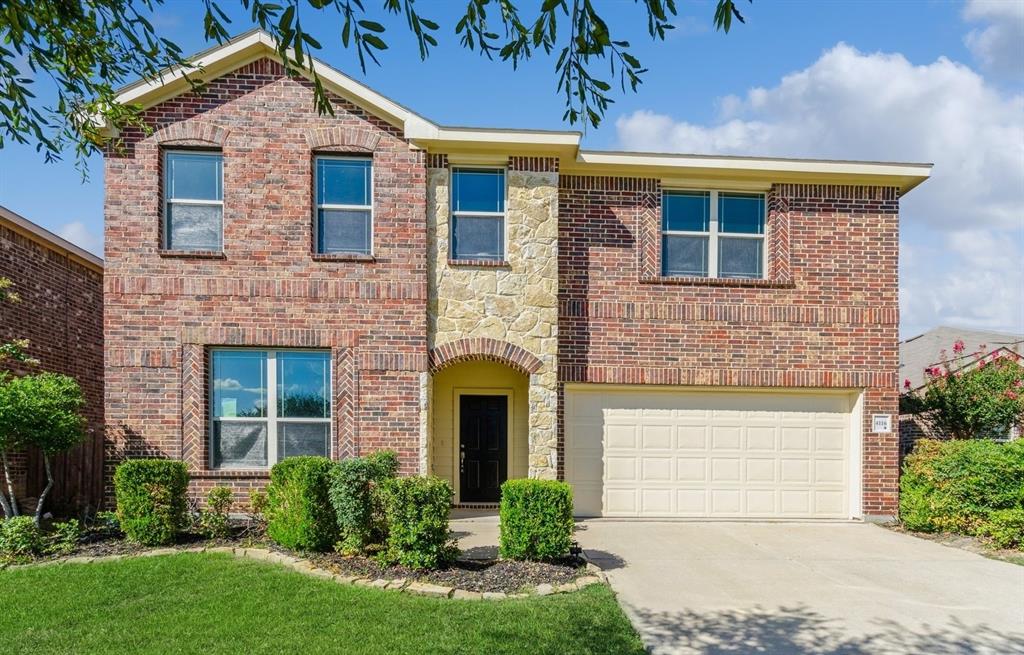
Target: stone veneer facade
{"x": 513, "y": 302}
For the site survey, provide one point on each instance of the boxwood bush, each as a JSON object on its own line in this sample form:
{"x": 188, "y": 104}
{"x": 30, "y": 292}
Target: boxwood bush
{"x": 299, "y": 512}
{"x": 957, "y": 486}
{"x": 151, "y": 505}
{"x": 417, "y": 521}
{"x": 535, "y": 519}
{"x": 355, "y": 494}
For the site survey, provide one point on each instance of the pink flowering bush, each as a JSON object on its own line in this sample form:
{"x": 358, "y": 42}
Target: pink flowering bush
{"x": 971, "y": 396}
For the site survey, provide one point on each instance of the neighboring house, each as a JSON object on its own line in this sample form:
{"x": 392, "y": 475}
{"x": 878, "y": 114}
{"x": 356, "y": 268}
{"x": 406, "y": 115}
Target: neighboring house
{"x": 61, "y": 314}
{"x": 674, "y": 335}
{"x": 935, "y": 347}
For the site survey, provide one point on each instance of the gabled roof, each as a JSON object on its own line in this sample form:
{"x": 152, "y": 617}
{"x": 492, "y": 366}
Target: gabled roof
{"x": 474, "y": 141}
{"x": 48, "y": 239}
{"x": 925, "y": 350}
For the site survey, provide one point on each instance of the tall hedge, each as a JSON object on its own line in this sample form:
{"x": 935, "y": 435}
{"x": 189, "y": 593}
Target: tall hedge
{"x": 151, "y": 505}
{"x": 535, "y": 519}
{"x": 956, "y": 485}
{"x": 299, "y": 512}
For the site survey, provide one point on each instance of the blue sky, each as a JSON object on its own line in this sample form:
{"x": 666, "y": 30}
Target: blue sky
{"x": 885, "y": 80}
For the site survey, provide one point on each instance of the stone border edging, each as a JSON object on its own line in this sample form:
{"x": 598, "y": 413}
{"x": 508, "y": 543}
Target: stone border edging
{"x": 306, "y": 567}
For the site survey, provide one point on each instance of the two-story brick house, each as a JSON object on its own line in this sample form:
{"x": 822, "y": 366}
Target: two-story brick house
{"x": 682, "y": 336}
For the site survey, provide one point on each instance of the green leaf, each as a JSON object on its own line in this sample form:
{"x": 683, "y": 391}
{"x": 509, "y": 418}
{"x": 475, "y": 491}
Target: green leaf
{"x": 311, "y": 41}
{"x": 372, "y": 26}
{"x": 374, "y": 41}
{"x": 285, "y": 23}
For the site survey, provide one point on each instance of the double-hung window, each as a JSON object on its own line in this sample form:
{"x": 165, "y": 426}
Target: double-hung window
{"x": 193, "y": 200}
{"x": 344, "y": 205}
{"x": 713, "y": 234}
{"x": 267, "y": 405}
{"x": 478, "y": 214}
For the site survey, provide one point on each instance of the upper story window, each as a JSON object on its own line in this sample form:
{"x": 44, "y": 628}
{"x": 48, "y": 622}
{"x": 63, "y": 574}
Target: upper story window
{"x": 193, "y": 200}
{"x": 478, "y": 213}
{"x": 267, "y": 405}
{"x": 713, "y": 234}
{"x": 344, "y": 205}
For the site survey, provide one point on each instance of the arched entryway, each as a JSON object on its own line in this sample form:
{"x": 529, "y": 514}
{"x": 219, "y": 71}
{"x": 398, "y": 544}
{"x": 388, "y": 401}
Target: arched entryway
{"x": 479, "y": 418}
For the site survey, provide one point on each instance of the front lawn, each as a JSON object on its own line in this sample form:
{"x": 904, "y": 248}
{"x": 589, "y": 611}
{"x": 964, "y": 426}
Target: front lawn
{"x": 211, "y": 603}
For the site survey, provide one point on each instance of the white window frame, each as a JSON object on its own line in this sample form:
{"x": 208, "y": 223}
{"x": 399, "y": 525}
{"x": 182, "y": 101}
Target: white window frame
{"x": 473, "y": 214}
{"x": 713, "y": 234}
{"x": 271, "y": 417}
{"x": 168, "y": 201}
{"x": 341, "y": 207}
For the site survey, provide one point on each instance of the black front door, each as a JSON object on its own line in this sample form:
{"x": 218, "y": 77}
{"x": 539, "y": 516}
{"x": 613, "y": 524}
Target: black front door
{"x": 483, "y": 447}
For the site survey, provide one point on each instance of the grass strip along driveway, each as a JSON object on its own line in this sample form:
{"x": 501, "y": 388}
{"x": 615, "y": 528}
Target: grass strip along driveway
{"x": 213, "y": 603}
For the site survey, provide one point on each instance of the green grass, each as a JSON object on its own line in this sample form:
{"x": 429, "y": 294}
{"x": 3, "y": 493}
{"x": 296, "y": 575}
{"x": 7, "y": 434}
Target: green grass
{"x": 212, "y": 603}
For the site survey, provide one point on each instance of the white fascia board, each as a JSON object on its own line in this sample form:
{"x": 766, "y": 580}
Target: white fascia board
{"x": 438, "y": 137}
{"x": 904, "y": 175}
{"x": 768, "y": 165}
{"x": 251, "y": 47}
{"x": 230, "y": 50}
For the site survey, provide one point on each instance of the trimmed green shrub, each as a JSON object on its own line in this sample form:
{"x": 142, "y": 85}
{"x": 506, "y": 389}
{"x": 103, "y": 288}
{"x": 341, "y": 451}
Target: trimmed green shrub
{"x": 417, "y": 514}
{"x": 1005, "y": 528}
{"x": 356, "y": 498}
{"x": 384, "y": 463}
{"x": 299, "y": 512}
{"x": 535, "y": 520}
{"x": 20, "y": 539}
{"x": 151, "y": 505}
{"x": 214, "y": 521}
{"x": 350, "y": 496}
{"x": 955, "y": 485}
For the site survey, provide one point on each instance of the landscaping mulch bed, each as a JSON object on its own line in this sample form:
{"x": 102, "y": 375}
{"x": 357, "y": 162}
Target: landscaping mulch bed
{"x": 504, "y": 576}
{"x": 101, "y": 542}
{"x": 469, "y": 574}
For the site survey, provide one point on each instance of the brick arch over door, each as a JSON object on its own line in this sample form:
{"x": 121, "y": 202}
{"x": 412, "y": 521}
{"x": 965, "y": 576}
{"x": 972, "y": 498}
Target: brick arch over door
{"x": 483, "y": 349}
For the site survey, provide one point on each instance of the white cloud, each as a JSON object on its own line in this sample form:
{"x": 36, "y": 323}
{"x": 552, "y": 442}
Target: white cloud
{"x": 1000, "y": 45}
{"x": 853, "y": 105}
{"x": 971, "y": 278}
{"x": 82, "y": 236}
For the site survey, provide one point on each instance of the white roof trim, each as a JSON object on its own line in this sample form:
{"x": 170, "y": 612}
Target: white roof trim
{"x": 53, "y": 241}
{"x": 248, "y": 48}
{"x": 766, "y": 164}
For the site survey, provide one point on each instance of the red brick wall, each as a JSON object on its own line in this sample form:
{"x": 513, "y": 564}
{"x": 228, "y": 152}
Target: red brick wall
{"x": 826, "y": 317}
{"x": 164, "y": 310}
{"x": 61, "y": 313}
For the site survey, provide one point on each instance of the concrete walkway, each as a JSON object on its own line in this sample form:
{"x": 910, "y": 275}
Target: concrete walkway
{"x": 805, "y": 588}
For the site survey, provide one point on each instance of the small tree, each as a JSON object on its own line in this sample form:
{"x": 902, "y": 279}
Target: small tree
{"x": 970, "y": 396}
{"x": 40, "y": 411}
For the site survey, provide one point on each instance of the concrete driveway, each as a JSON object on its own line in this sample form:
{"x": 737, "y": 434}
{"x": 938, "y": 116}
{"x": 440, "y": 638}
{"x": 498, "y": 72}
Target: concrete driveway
{"x": 805, "y": 588}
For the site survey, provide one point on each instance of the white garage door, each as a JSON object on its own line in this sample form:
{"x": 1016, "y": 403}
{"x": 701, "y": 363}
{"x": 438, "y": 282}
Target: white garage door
{"x": 701, "y": 454}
